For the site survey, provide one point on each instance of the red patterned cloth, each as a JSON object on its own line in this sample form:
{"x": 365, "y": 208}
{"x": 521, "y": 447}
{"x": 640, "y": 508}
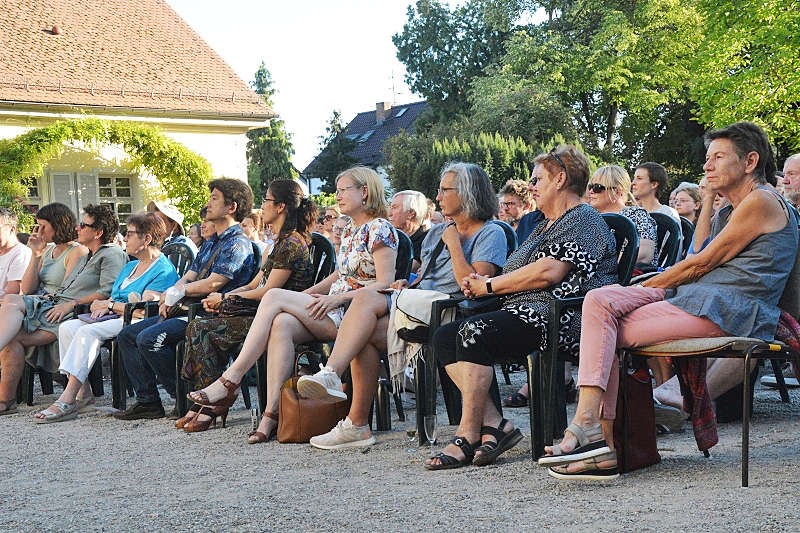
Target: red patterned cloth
{"x": 696, "y": 400}
{"x": 789, "y": 333}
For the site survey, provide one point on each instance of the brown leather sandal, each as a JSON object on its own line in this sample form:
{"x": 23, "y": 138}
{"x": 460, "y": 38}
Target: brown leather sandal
{"x": 257, "y": 437}
{"x": 227, "y": 401}
{"x": 195, "y": 425}
{"x": 179, "y": 423}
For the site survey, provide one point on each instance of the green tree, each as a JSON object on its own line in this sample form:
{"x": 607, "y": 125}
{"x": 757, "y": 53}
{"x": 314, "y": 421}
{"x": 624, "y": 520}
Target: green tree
{"x": 444, "y": 50}
{"x": 335, "y": 155}
{"x": 269, "y": 150}
{"x": 606, "y": 61}
{"x": 747, "y": 66}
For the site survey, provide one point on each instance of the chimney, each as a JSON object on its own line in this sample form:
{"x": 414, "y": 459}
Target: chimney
{"x": 382, "y": 111}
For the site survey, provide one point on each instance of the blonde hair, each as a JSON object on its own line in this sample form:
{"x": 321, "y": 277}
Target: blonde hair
{"x": 375, "y": 203}
{"x": 614, "y": 176}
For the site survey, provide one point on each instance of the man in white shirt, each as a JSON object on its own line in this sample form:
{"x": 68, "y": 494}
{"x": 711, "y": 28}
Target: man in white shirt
{"x": 14, "y": 256}
{"x": 649, "y": 180}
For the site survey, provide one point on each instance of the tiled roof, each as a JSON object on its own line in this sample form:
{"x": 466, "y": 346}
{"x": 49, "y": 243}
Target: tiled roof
{"x": 117, "y": 53}
{"x": 370, "y": 145}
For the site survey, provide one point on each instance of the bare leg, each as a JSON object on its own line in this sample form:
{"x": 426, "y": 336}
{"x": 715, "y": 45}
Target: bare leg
{"x": 11, "y": 314}
{"x": 273, "y": 303}
{"x": 473, "y": 381}
{"x": 722, "y": 375}
{"x": 12, "y": 359}
{"x": 357, "y": 328}
{"x": 662, "y": 370}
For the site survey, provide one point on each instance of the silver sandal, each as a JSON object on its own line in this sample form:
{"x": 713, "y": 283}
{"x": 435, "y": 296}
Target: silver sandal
{"x": 586, "y": 447}
{"x": 64, "y": 411}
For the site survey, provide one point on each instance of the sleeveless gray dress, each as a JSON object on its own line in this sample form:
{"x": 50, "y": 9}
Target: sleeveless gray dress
{"x": 741, "y": 296}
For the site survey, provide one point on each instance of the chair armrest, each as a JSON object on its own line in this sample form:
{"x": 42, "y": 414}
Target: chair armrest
{"x": 194, "y": 310}
{"x": 438, "y": 307}
{"x": 643, "y": 277}
{"x": 483, "y": 304}
{"x": 81, "y": 309}
{"x": 150, "y": 310}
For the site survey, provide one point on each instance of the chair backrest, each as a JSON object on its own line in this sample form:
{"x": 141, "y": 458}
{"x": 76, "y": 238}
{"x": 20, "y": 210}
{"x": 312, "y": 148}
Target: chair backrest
{"x": 624, "y": 231}
{"x": 511, "y": 236}
{"x": 687, "y": 228}
{"x": 180, "y": 255}
{"x": 405, "y": 255}
{"x": 256, "y": 261}
{"x": 669, "y": 239}
{"x": 323, "y": 256}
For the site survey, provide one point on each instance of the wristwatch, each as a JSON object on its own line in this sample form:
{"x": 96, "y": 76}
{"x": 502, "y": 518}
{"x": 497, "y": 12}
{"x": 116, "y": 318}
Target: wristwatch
{"x": 489, "y": 286}
{"x": 111, "y": 305}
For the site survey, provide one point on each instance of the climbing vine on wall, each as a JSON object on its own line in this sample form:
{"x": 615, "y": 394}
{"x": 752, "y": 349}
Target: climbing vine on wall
{"x": 182, "y": 174}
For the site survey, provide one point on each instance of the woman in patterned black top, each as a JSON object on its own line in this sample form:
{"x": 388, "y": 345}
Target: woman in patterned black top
{"x": 570, "y": 252}
{"x": 609, "y": 191}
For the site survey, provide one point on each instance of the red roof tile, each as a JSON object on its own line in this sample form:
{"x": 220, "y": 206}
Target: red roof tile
{"x": 119, "y": 53}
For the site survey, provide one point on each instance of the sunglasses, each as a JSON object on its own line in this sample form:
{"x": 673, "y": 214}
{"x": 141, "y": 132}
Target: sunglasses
{"x": 84, "y": 225}
{"x": 596, "y": 188}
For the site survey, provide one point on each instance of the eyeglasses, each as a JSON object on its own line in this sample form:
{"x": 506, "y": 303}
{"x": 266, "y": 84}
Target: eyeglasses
{"x": 342, "y": 190}
{"x": 265, "y": 199}
{"x": 443, "y": 190}
{"x": 508, "y": 205}
{"x": 560, "y": 162}
{"x": 83, "y": 225}
{"x": 596, "y": 188}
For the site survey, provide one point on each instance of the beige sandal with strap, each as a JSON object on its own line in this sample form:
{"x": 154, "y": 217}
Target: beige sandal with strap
{"x": 586, "y": 446}
{"x": 591, "y": 470}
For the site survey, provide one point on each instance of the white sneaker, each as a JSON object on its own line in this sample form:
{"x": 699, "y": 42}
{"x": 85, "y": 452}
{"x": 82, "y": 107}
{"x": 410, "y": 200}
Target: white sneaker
{"x": 325, "y": 385}
{"x": 344, "y": 435}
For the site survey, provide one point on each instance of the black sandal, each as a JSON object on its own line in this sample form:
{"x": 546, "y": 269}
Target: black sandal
{"x": 447, "y": 462}
{"x": 491, "y": 450}
{"x": 516, "y": 400}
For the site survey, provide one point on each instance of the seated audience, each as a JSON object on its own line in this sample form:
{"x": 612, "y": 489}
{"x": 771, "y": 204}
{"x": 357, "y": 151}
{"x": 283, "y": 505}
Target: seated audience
{"x": 212, "y": 341}
{"x": 173, "y": 220}
{"x": 338, "y": 229}
{"x": 515, "y": 202}
{"x": 34, "y": 320}
{"x": 570, "y": 252}
{"x": 224, "y": 263}
{"x": 731, "y": 288}
{"x": 325, "y": 221}
{"x": 437, "y": 218}
{"x": 14, "y": 256}
{"x": 648, "y": 182}
{"x": 688, "y": 203}
{"x": 79, "y": 339}
{"x": 471, "y": 245}
{"x": 428, "y": 223}
{"x": 366, "y": 263}
{"x": 407, "y": 213}
{"x": 791, "y": 179}
{"x": 50, "y": 264}
{"x": 251, "y": 227}
{"x": 195, "y": 236}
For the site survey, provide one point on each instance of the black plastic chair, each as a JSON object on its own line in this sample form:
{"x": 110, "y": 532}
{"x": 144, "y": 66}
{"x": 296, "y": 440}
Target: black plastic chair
{"x": 180, "y": 255}
{"x": 548, "y": 407}
{"x": 687, "y": 228}
{"x": 511, "y": 236}
{"x": 405, "y": 256}
{"x": 669, "y": 239}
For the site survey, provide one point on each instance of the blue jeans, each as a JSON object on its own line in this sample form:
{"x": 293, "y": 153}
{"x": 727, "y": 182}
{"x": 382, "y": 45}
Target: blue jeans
{"x": 148, "y": 354}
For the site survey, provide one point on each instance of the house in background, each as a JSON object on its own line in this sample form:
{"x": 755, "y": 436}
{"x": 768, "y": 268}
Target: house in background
{"x": 370, "y": 130}
{"x": 119, "y": 60}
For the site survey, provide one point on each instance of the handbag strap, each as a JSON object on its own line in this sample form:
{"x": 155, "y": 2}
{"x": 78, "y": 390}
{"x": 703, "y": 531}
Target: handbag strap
{"x": 207, "y": 266}
{"x": 431, "y": 261}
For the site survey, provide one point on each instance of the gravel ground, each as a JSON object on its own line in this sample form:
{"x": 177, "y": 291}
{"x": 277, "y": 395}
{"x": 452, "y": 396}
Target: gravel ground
{"x": 100, "y": 474}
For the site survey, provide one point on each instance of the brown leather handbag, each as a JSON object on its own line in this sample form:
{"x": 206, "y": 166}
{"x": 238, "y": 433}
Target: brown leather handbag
{"x": 299, "y": 419}
{"x": 635, "y": 425}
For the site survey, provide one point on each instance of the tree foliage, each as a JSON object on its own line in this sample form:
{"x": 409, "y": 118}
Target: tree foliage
{"x": 415, "y": 161}
{"x": 747, "y": 66}
{"x": 182, "y": 174}
{"x": 270, "y": 149}
{"x": 335, "y": 155}
{"x": 444, "y": 50}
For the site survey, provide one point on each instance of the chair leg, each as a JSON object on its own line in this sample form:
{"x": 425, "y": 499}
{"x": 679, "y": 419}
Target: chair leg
{"x": 27, "y": 378}
{"x": 261, "y": 381}
{"x": 181, "y": 402}
{"x": 506, "y": 376}
{"x": 383, "y": 418}
{"x": 96, "y": 377}
{"x": 780, "y": 381}
{"x": 46, "y": 381}
{"x": 246, "y": 395}
{"x": 746, "y": 420}
{"x": 452, "y": 397}
{"x": 534, "y": 406}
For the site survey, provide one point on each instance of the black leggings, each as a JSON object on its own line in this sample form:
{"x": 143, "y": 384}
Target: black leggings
{"x": 486, "y": 338}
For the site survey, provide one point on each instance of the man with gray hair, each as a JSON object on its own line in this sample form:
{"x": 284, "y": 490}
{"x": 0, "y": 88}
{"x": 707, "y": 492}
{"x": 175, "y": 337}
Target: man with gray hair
{"x": 791, "y": 179}
{"x": 14, "y": 256}
{"x": 407, "y": 213}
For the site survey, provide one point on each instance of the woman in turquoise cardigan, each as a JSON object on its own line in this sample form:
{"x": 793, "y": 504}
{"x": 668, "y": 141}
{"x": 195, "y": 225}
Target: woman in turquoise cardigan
{"x": 80, "y": 339}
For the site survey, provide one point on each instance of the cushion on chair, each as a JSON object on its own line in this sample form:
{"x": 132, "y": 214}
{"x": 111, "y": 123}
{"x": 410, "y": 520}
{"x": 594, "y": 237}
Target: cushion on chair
{"x": 696, "y": 346}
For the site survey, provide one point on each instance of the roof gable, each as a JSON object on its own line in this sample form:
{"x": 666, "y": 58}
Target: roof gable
{"x": 116, "y": 53}
{"x": 370, "y": 135}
